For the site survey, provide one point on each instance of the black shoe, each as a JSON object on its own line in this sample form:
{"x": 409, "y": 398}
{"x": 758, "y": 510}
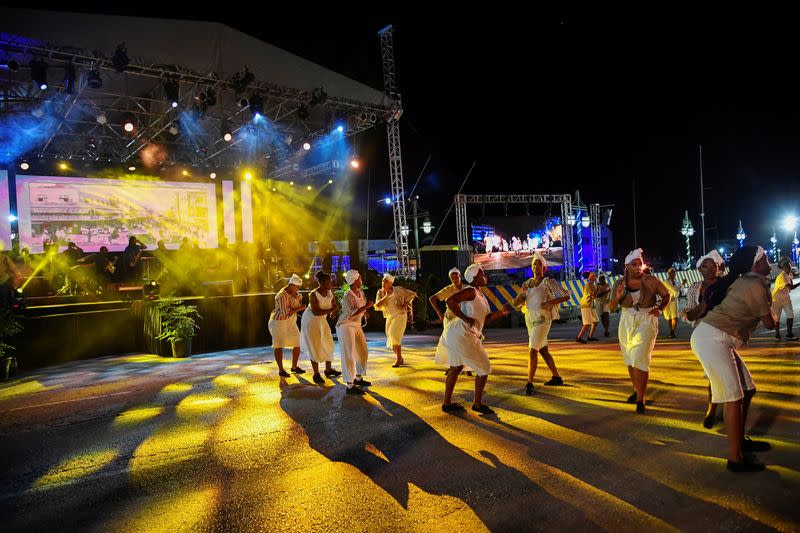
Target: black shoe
{"x": 332, "y": 373}
{"x": 283, "y": 374}
{"x": 452, "y": 407}
{"x": 555, "y": 380}
{"x": 777, "y": 337}
{"x": 592, "y": 339}
{"x": 606, "y": 334}
{"x": 632, "y": 398}
{"x": 671, "y": 334}
{"x": 791, "y": 337}
{"x": 708, "y": 421}
{"x": 362, "y": 383}
{"x": 580, "y": 340}
{"x": 528, "y": 388}
{"x": 640, "y": 408}
{"x": 748, "y": 464}
{"x": 355, "y": 391}
{"x": 749, "y": 445}
{"x": 483, "y": 409}
{"x": 298, "y": 370}
{"x": 318, "y": 379}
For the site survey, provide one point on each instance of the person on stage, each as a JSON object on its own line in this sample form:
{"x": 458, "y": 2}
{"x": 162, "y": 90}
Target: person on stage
{"x": 588, "y": 314}
{"x": 709, "y": 266}
{"x": 541, "y": 296}
{"x": 636, "y": 293}
{"x": 782, "y": 299}
{"x": 601, "y": 302}
{"x": 444, "y": 294}
{"x": 316, "y": 339}
{"x": 671, "y": 311}
{"x": 461, "y": 343}
{"x": 393, "y": 303}
{"x": 283, "y": 324}
{"x": 736, "y": 305}
{"x": 352, "y": 342}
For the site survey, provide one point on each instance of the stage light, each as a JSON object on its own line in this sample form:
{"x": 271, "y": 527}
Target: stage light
{"x": 722, "y": 250}
{"x": 387, "y": 201}
{"x": 102, "y": 119}
{"x": 241, "y": 80}
{"x": 185, "y": 172}
{"x": 172, "y": 92}
{"x": 173, "y": 129}
{"x": 243, "y": 102}
{"x": 12, "y": 217}
{"x": 306, "y": 146}
{"x": 308, "y": 187}
{"x": 291, "y": 183}
{"x": 228, "y": 137}
{"x": 127, "y": 125}
{"x": 340, "y": 129}
{"x": 248, "y": 176}
{"x": 213, "y": 175}
{"x": 120, "y": 59}
{"x": 69, "y": 78}
{"x": 131, "y": 168}
{"x": 330, "y": 181}
{"x": 354, "y": 163}
{"x": 274, "y": 189}
{"x": 256, "y": 106}
{"x": 63, "y": 166}
{"x": 227, "y": 133}
{"x": 39, "y": 73}
{"x": 24, "y": 165}
{"x": 790, "y": 223}
{"x": 10, "y": 65}
{"x": 93, "y": 80}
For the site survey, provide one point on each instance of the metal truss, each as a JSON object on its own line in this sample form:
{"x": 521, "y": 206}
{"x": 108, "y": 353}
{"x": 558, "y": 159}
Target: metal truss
{"x": 401, "y": 230}
{"x": 138, "y": 93}
{"x": 597, "y": 250}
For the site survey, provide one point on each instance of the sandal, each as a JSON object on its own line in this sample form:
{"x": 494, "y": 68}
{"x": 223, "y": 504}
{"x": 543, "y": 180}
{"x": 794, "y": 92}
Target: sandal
{"x": 452, "y": 407}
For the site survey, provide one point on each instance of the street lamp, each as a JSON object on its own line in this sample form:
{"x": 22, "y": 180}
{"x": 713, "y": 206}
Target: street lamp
{"x": 687, "y": 231}
{"x": 426, "y": 226}
{"x": 585, "y": 220}
{"x": 774, "y": 241}
{"x": 571, "y": 219}
{"x": 795, "y": 251}
{"x": 740, "y": 235}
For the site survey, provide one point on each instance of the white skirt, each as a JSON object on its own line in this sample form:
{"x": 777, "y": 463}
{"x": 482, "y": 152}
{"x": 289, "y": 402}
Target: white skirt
{"x": 537, "y": 332}
{"x": 725, "y": 369}
{"x": 671, "y": 311}
{"x": 588, "y": 316}
{"x": 285, "y": 333}
{"x": 395, "y": 329}
{"x": 316, "y": 339}
{"x": 783, "y": 304}
{"x": 460, "y": 345}
{"x": 637, "y": 337}
{"x": 354, "y": 351}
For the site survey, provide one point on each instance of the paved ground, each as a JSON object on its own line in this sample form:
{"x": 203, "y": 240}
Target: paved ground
{"x": 218, "y": 442}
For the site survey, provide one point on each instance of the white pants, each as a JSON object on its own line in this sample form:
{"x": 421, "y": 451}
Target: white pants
{"x": 726, "y": 371}
{"x": 783, "y": 304}
{"x": 353, "y": 346}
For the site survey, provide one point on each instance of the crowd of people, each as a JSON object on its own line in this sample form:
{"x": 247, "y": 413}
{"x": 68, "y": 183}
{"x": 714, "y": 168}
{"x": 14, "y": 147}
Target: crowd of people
{"x": 531, "y": 243}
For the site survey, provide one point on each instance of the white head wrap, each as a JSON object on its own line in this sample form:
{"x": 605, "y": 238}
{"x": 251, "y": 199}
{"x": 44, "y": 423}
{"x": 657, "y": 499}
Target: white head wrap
{"x": 454, "y": 270}
{"x": 388, "y": 277}
{"x": 351, "y": 275}
{"x": 296, "y": 280}
{"x": 759, "y": 254}
{"x": 633, "y": 256}
{"x": 539, "y": 257}
{"x": 471, "y": 272}
{"x": 714, "y": 256}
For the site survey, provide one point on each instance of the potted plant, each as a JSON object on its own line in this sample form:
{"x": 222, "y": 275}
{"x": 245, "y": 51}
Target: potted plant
{"x": 8, "y": 328}
{"x": 178, "y": 324}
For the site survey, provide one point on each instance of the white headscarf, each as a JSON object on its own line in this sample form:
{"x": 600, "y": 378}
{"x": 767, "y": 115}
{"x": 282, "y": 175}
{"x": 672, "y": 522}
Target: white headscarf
{"x": 388, "y": 277}
{"x": 351, "y": 275}
{"x": 759, "y": 254}
{"x": 454, "y": 270}
{"x": 296, "y": 280}
{"x": 471, "y": 272}
{"x": 714, "y": 256}
{"x": 633, "y": 256}
{"x": 539, "y": 257}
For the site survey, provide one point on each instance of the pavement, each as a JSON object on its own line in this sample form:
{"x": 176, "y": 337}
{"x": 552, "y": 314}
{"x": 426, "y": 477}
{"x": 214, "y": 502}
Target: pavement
{"x": 218, "y": 442}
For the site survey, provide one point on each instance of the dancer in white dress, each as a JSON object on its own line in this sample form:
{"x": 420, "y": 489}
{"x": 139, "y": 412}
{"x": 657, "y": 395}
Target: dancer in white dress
{"x": 444, "y": 294}
{"x": 589, "y": 317}
{"x": 638, "y": 326}
{"x": 352, "y": 342}
{"x": 782, "y": 299}
{"x": 541, "y": 296}
{"x": 460, "y": 344}
{"x": 671, "y": 311}
{"x": 283, "y": 324}
{"x": 393, "y": 302}
{"x": 316, "y": 339}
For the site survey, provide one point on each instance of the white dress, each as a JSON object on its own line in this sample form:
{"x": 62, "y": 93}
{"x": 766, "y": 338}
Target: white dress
{"x": 284, "y": 330}
{"x": 671, "y": 311}
{"x": 316, "y": 339}
{"x": 638, "y": 330}
{"x": 395, "y": 311}
{"x": 461, "y": 344}
{"x": 352, "y": 342}
{"x": 537, "y": 320}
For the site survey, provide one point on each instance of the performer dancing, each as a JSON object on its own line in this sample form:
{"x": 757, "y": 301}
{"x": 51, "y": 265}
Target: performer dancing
{"x": 638, "y": 326}
{"x": 352, "y": 342}
{"x": 316, "y": 339}
{"x": 782, "y": 299}
{"x": 601, "y": 302}
{"x": 671, "y": 311}
{"x": 393, "y": 302}
{"x": 283, "y": 324}
{"x": 460, "y": 344}
{"x": 444, "y": 294}
{"x": 541, "y": 296}
{"x": 588, "y": 314}
{"x": 709, "y": 267}
{"x": 736, "y": 304}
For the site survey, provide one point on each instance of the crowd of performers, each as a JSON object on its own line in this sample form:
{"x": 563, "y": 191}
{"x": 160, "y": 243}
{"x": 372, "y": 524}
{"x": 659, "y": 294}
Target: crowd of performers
{"x": 517, "y": 246}
{"x": 724, "y": 311}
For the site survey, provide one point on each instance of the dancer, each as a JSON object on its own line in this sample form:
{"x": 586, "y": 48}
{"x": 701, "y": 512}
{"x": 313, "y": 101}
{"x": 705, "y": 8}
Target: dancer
{"x": 283, "y": 324}
{"x": 638, "y": 326}
{"x": 736, "y": 304}
{"x": 601, "y": 302}
{"x": 541, "y": 297}
{"x": 352, "y": 342}
{"x": 588, "y": 314}
{"x": 393, "y": 303}
{"x": 442, "y": 296}
{"x": 709, "y": 267}
{"x": 782, "y": 299}
{"x": 316, "y": 339}
{"x": 671, "y": 311}
{"x": 460, "y": 344}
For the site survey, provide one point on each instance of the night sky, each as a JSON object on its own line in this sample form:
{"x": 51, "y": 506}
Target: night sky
{"x": 551, "y": 103}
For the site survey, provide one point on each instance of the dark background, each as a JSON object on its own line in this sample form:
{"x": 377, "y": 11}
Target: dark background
{"x": 551, "y": 102}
